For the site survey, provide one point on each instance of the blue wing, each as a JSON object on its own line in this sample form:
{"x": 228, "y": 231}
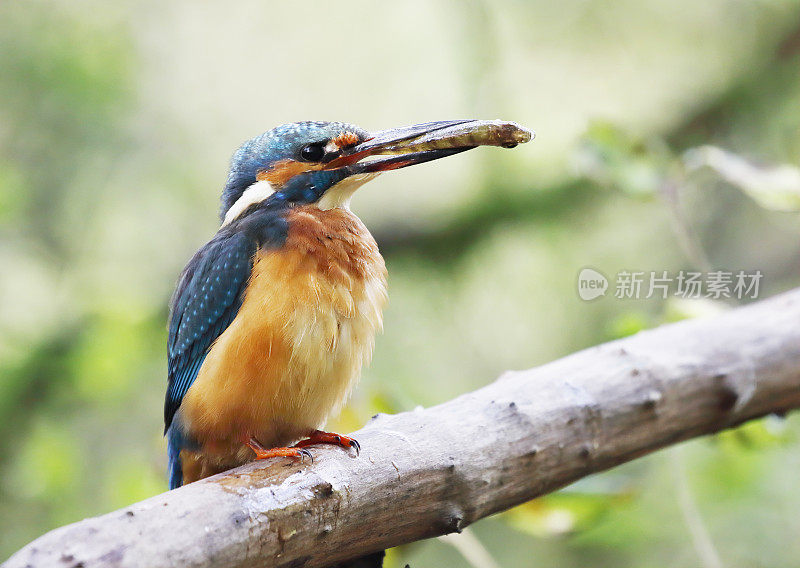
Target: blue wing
{"x": 207, "y": 299}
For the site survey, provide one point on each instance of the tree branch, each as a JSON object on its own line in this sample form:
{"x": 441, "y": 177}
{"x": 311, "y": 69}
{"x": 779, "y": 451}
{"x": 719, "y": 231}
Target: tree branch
{"x": 434, "y": 471}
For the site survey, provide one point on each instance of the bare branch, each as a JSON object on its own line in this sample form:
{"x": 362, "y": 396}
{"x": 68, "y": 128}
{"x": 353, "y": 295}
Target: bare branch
{"x": 435, "y": 471}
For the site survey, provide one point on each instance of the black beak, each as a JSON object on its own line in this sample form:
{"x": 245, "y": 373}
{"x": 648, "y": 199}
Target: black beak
{"x": 401, "y": 147}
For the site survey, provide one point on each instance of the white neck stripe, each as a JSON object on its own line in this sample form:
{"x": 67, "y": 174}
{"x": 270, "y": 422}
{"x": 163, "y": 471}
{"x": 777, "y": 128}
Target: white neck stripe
{"x": 256, "y": 193}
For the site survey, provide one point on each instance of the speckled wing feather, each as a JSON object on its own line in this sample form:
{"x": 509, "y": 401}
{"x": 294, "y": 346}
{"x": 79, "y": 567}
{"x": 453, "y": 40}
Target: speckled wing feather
{"x": 207, "y": 299}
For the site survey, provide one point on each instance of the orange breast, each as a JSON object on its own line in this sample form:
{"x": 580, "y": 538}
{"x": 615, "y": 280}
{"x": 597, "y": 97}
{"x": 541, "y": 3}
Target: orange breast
{"x": 297, "y": 345}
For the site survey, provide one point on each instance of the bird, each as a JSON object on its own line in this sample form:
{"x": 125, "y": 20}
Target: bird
{"x": 273, "y": 319}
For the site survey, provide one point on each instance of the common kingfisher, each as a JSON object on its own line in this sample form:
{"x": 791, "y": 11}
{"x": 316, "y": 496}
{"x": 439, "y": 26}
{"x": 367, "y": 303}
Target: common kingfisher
{"x": 274, "y": 317}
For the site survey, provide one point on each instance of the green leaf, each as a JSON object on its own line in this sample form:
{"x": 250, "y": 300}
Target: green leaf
{"x": 616, "y": 159}
{"x": 772, "y": 187}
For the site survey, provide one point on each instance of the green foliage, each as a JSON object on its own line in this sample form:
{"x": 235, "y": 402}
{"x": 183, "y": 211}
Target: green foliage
{"x": 618, "y": 160}
{"x": 46, "y": 468}
{"x": 564, "y": 513}
{"x": 105, "y": 358}
{"x": 628, "y": 323}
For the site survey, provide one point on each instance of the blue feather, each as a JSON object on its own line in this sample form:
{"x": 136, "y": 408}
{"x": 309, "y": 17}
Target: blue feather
{"x": 208, "y": 297}
{"x": 206, "y": 301}
{"x": 175, "y": 443}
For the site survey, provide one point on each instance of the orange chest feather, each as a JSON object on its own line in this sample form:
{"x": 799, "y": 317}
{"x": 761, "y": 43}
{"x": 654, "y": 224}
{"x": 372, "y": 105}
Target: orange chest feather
{"x": 305, "y": 328}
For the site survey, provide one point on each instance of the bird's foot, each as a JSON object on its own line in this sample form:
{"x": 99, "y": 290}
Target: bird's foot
{"x": 320, "y": 437}
{"x": 263, "y": 453}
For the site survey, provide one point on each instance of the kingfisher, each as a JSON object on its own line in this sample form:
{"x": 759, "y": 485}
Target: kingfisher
{"x": 273, "y": 319}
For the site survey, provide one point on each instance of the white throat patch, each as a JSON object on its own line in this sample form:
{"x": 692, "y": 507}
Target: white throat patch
{"x": 341, "y": 193}
{"x": 256, "y": 193}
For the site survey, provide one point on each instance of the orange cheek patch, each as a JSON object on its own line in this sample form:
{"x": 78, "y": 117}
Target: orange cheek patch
{"x": 284, "y": 170}
{"x": 346, "y": 139}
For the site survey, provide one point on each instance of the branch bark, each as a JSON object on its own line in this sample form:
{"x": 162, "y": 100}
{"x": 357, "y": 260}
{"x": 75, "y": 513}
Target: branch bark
{"x": 434, "y": 471}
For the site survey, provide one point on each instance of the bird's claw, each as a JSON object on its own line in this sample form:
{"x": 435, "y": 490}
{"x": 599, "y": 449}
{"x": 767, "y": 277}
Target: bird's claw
{"x": 320, "y": 437}
{"x": 263, "y": 453}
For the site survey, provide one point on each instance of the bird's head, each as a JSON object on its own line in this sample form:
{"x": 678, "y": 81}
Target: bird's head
{"x": 325, "y": 162}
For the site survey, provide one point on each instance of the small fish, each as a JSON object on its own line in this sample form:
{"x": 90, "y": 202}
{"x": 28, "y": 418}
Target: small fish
{"x": 464, "y": 134}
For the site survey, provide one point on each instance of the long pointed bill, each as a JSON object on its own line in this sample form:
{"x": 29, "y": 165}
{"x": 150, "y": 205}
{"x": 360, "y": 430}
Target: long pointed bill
{"x": 410, "y": 145}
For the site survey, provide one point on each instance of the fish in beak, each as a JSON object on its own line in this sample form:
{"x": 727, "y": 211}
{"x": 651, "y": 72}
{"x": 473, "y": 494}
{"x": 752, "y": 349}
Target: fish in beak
{"x": 406, "y": 146}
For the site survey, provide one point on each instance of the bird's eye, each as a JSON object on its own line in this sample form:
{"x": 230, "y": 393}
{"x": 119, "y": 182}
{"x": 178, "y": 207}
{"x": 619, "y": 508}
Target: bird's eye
{"x": 312, "y": 152}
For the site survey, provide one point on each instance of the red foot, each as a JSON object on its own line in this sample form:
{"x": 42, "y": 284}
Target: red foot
{"x": 263, "y": 453}
{"x": 320, "y": 437}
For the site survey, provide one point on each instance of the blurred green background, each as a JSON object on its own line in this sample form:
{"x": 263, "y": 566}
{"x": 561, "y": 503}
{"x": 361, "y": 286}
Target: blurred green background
{"x": 668, "y": 138}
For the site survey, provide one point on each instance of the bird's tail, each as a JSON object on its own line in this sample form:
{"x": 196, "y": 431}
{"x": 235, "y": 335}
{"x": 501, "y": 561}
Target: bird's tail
{"x": 175, "y": 443}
